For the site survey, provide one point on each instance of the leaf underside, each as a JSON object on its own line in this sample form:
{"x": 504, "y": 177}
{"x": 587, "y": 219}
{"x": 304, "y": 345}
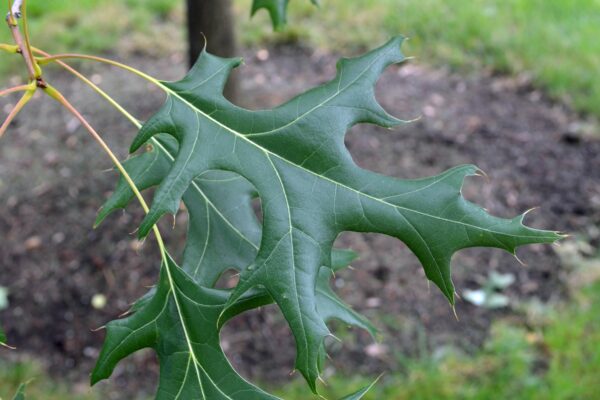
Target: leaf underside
{"x": 216, "y": 157}
{"x": 277, "y": 10}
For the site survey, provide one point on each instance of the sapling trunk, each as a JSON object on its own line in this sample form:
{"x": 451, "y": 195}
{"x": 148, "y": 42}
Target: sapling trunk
{"x": 210, "y": 24}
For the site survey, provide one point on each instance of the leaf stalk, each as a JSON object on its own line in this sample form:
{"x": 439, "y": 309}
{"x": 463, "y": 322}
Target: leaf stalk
{"x": 95, "y": 88}
{"x": 46, "y": 60}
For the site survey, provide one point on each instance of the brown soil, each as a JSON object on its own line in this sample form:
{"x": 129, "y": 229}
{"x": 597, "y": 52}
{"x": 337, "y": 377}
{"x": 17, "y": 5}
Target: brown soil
{"x": 52, "y": 182}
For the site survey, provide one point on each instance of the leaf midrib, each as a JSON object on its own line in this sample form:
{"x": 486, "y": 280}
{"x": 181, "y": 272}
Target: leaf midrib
{"x": 268, "y": 153}
{"x": 294, "y": 285}
{"x": 183, "y": 326}
{"x": 174, "y": 287}
{"x": 188, "y": 340}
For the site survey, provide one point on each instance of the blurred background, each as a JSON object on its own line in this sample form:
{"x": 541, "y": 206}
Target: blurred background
{"x": 511, "y": 86}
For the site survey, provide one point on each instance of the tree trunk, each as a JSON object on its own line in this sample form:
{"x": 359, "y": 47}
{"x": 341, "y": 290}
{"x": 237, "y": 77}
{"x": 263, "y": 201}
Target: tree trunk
{"x": 211, "y": 22}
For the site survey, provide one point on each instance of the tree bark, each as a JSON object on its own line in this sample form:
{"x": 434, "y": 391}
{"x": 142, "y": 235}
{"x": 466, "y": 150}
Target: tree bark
{"x": 211, "y": 22}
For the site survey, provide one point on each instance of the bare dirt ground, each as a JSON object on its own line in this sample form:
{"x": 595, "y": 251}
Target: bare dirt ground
{"x": 53, "y": 180}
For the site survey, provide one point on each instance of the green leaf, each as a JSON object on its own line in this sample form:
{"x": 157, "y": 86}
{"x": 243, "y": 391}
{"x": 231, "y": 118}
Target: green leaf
{"x": 179, "y": 322}
{"x": 4, "y": 339}
{"x": 362, "y": 392}
{"x": 221, "y": 217}
{"x": 310, "y": 188}
{"x": 20, "y": 395}
{"x": 223, "y": 231}
{"x": 148, "y": 169}
{"x": 277, "y": 10}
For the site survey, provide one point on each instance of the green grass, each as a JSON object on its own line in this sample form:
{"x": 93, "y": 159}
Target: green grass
{"x": 40, "y": 386}
{"x": 92, "y": 26}
{"x": 559, "y": 359}
{"x": 121, "y": 27}
{"x": 556, "y": 41}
